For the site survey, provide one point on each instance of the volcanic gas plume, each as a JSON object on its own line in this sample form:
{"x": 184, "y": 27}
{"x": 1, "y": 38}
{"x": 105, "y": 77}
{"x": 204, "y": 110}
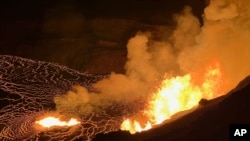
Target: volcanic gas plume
{"x": 163, "y": 77}
{"x": 202, "y": 59}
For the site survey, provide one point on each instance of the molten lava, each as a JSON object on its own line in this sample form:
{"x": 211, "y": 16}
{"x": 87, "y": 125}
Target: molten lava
{"x": 53, "y": 122}
{"x": 174, "y": 95}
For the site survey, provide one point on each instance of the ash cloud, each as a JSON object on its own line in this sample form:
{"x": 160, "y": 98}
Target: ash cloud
{"x": 222, "y": 37}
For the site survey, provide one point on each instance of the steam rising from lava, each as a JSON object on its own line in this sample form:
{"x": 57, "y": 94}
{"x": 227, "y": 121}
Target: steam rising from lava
{"x": 222, "y": 37}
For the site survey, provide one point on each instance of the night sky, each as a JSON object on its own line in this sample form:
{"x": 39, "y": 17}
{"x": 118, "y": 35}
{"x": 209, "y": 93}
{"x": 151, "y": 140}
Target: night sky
{"x": 81, "y": 34}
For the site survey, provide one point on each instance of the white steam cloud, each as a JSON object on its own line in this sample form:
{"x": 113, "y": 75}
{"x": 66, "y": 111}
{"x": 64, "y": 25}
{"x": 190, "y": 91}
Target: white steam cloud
{"x": 224, "y": 36}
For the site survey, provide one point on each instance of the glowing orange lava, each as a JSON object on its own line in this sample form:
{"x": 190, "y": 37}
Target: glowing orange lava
{"x": 176, "y": 94}
{"x": 53, "y": 121}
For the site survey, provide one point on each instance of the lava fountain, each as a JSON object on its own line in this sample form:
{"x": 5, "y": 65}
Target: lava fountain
{"x": 51, "y": 121}
{"x": 176, "y": 94}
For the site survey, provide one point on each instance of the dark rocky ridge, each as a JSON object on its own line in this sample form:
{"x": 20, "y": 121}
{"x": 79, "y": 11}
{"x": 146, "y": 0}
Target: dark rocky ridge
{"x": 209, "y": 122}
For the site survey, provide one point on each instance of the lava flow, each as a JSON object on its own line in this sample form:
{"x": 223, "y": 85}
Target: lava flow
{"x": 176, "y": 94}
{"x": 56, "y": 122}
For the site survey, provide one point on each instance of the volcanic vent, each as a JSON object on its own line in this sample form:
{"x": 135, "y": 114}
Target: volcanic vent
{"x": 208, "y": 122}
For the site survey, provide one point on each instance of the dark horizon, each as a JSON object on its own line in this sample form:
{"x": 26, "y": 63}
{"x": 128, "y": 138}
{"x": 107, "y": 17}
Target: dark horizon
{"x": 36, "y": 10}
{"x": 58, "y": 30}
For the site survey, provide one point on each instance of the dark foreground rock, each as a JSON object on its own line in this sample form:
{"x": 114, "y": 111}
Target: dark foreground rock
{"x": 210, "y": 122}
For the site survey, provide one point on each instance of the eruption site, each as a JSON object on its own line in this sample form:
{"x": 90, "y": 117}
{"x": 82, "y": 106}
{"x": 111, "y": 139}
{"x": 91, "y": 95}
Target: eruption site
{"x": 27, "y": 91}
{"x": 163, "y": 78}
{"x": 53, "y": 121}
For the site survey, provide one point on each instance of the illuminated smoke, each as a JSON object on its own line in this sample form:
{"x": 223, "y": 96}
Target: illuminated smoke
{"x": 222, "y": 37}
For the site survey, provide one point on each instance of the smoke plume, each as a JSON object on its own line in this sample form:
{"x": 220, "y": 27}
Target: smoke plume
{"x": 223, "y": 37}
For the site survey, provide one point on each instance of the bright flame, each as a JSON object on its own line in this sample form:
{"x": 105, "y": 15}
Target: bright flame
{"x": 175, "y": 95}
{"x": 53, "y": 121}
{"x": 135, "y": 126}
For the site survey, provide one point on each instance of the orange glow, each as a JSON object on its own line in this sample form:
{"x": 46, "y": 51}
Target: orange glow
{"x": 135, "y": 126}
{"x": 176, "y": 94}
{"x": 53, "y": 122}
